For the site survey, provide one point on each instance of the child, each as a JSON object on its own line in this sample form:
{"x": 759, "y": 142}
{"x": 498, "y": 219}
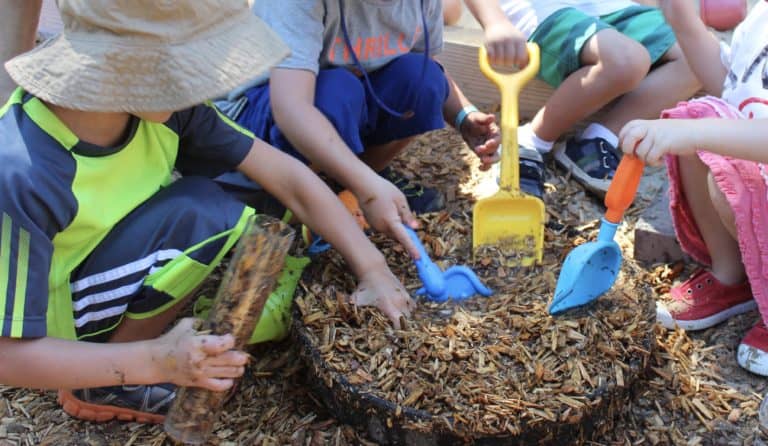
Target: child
{"x": 716, "y": 154}
{"x": 349, "y": 113}
{"x": 99, "y": 248}
{"x": 592, "y": 52}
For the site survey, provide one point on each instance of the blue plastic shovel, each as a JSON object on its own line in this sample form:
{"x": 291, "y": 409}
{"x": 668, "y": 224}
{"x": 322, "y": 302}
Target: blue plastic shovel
{"x": 457, "y": 282}
{"x": 591, "y": 269}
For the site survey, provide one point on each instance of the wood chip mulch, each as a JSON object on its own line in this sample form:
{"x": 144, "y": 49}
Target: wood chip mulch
{"x": 692, "y": 394}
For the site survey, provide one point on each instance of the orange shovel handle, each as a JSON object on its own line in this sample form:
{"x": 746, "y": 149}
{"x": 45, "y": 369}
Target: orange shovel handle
{"x": 349, "y": 201}
{"x": 623, "y": 187}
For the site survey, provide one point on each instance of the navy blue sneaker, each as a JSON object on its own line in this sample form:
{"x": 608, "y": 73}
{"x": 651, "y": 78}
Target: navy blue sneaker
{"x": 531, "y": 171}
{"x": 421, "y": 199}
{"x": 592, "y": 162}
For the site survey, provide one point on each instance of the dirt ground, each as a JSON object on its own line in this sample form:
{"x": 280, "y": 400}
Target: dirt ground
{"x": 694, "y": 394}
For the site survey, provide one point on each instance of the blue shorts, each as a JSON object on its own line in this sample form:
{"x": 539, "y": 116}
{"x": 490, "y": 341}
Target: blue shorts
{"x": 345, "y": 100}
{"x": 155, "y": 256}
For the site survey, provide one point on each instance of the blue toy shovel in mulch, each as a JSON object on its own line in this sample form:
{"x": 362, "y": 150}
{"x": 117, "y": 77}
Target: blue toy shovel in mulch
{"x": 457, "y": 282}
{"x": 591, "y": 269}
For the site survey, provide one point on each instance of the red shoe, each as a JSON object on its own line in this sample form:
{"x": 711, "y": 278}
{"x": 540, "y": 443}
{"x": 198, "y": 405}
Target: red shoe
{"x": 702, "y": 302}
{"x": 753, "y": 350}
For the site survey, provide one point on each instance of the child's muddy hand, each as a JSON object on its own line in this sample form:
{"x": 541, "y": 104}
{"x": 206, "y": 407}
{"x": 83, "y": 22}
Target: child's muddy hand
{"x": 483, "y": 136}
{"x": 380, "y": 288}
{"x": 187, "y": 358}
{"x": 386, "y": 210}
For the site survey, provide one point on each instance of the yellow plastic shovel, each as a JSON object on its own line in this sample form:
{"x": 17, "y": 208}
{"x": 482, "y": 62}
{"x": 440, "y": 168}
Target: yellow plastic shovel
{"x": 510, "y": 218}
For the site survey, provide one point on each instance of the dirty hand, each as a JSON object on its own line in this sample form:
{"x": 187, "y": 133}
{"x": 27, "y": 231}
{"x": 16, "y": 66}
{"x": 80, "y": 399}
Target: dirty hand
{"x": 651, "y": 140}
{"x": 186, "y": 358}
{"x": 386, "y": 210}
{"x": 680, "y": 14}
{"x": 483, "y": 136}
{"x": 506, "y": 46}
{"x": 381, "y": 289}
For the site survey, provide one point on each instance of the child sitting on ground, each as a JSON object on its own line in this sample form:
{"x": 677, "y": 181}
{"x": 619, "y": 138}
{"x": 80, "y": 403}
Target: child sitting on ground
{"x": 350, "y": 112}
{"x": 99, "y": 247}
{"x": 716, "y": 155}
{"x": 592, "y": 52}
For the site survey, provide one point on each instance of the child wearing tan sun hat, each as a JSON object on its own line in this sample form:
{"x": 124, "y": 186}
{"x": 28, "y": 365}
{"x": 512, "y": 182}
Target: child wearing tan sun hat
{"x": 99, "y": 246}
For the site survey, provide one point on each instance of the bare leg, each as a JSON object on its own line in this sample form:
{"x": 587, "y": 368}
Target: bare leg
{"x": 661, "y": 88}
{"x": 613, "y": 65}
{"x": 379, "y": 157}
{"x": 18, "y": 28}
{"x": 710, "y": 209}
{"x": 722, "y": 207}
{"x": 131, "y": 330}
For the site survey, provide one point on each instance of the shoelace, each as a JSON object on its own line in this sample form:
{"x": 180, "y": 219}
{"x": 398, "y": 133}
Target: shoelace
{"x": 695, "y": 282}
{"x": 608, "y": 154}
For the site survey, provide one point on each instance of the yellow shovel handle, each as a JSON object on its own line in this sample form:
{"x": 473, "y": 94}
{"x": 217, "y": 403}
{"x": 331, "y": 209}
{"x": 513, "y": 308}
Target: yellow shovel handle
{"x": 510, "y": 85}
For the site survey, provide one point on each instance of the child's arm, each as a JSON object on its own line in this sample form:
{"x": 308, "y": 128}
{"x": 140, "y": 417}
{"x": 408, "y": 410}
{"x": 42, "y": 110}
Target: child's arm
{"x": 301, "y": 191}
{"x": 503, "y": 41}
{"x": 181, "y": 357}
{"x": 385, "y": 206}
{"x": 701, "y": 48}
{"x": 738, "y": 138}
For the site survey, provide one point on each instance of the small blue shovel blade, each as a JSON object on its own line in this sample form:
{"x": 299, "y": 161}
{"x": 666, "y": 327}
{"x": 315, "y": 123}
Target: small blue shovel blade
{"x": 589, "y": 271}
{"x": 457, "y": 282}
{"x": 462, "y": 283}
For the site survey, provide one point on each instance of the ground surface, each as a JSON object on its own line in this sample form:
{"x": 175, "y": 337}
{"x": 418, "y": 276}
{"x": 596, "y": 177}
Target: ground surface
{"x": 695, "y": 393}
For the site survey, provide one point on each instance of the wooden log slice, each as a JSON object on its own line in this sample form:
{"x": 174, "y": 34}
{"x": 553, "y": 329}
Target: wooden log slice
{"x": 496, "y": 370}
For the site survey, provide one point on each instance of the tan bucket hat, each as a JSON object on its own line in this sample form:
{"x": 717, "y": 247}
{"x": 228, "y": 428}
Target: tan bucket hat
{"x": 147, "y": 55}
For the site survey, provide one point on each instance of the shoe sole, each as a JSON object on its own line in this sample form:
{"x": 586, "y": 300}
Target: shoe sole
{"x": 752, "y": 359}
{"x": 667, "y": 321}
{"x": 99, "y": 413}
{"x": 597, "y": 187}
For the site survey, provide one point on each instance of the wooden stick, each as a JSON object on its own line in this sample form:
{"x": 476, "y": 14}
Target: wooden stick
{"x": 250, "y": 278}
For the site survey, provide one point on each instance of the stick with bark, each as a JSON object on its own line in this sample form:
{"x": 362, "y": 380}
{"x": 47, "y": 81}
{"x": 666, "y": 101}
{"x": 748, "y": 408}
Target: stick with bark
{"x": 250, "y": 278}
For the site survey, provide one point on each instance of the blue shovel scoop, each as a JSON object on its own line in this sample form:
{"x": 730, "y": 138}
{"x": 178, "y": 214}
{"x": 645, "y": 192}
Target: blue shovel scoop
{"x": 591, "y": 269}
{"x": 457, "y": 282}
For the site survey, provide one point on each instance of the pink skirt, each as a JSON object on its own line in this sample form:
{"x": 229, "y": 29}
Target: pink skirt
{"x": 744, "y": 185}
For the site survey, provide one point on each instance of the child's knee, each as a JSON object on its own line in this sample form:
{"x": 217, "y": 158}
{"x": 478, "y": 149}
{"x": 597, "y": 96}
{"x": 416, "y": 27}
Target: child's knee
{"x": 426, "y": 78}
{"x": 339, "y": 94}
{"x": 200, "y": 202}
{"x": 410, "y": 67}
{"x": 625, "y": 64}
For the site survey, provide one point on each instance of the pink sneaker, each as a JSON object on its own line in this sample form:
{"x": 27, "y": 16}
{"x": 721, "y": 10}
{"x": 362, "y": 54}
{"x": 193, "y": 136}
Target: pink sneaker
{"x": 702, "y": 302}
{"x": 753, "y": 350}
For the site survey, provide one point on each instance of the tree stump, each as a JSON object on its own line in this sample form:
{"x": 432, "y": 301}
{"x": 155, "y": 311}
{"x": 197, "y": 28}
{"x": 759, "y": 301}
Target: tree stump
{"x": 497, "y": 370}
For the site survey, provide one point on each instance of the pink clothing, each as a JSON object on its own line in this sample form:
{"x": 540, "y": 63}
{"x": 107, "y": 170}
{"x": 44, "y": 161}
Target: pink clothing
{"x": 744, "y": 185}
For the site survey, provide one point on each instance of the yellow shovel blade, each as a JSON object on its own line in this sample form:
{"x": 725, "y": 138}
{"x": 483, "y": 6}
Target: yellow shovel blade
{"x": 510, "y": 219}
{"x": 512, "y": 222}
